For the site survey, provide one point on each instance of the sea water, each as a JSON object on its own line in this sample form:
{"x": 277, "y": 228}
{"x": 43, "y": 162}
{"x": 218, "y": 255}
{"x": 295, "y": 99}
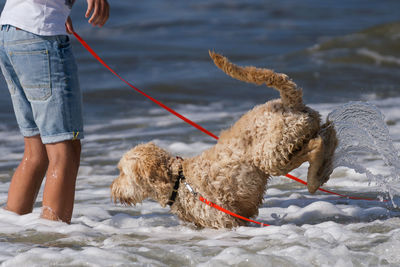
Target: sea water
{"x": 337, "y": 51}
{"x": 361, "y": 130}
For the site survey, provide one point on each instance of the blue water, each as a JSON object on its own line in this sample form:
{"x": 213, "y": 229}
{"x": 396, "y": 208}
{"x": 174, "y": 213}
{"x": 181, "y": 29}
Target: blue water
{"x": 337, "y": 51}
{"x": 162, "y": 47}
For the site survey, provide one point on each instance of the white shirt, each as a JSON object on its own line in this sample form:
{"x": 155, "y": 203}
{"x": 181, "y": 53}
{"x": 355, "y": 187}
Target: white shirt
{"x": 42, "y": 17}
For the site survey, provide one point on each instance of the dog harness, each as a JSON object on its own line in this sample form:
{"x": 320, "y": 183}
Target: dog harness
{"x": 181, "y": 177}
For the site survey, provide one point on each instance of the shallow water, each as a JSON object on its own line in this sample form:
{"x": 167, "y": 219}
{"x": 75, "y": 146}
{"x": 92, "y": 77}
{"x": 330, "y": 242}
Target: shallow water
{"x": 338, "y": 51}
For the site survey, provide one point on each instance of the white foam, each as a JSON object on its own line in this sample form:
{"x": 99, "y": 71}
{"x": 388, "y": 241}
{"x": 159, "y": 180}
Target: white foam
{"x": 378, "y": 58}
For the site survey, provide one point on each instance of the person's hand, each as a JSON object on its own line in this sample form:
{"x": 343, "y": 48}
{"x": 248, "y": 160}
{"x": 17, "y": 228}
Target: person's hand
{"x": 68, "y": 26}
{"x": 98, "y": 11}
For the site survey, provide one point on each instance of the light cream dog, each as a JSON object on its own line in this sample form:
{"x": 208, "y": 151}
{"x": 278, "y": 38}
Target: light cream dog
{"x": 271, "y": 139}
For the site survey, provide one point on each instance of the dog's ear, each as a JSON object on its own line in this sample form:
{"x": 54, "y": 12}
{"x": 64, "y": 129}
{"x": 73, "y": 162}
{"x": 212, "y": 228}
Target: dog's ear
{"x": 151, "y": 163}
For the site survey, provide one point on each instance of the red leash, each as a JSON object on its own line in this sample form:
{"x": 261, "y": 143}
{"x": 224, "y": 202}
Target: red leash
{"x": 91, "y": 51}
{"x": 331, "y": 192}
{"x": 215, "y": 206}
{"x": 140, "y": 91}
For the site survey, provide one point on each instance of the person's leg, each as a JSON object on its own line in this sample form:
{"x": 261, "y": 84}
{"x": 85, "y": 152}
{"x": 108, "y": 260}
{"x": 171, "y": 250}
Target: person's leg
{"x": 59, "y": 190}
{"x": 28, "y": 177}
{"x": 43, "y": 81}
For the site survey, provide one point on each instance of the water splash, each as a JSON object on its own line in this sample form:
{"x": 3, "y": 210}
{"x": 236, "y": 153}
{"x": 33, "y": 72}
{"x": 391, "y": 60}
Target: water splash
{"x": 361, "y": 130}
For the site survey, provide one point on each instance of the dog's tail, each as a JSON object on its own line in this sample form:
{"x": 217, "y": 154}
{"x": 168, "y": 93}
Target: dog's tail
{"x": 291, "y": 94}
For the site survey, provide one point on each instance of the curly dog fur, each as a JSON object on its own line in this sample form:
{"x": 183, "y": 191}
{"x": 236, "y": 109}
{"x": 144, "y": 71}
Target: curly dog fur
{"x": 271, "y": 139}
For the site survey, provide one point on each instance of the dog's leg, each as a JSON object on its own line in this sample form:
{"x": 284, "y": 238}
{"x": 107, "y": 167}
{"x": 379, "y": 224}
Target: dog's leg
{"x": 315, "y": 158}
{"x": 320, "y": 157}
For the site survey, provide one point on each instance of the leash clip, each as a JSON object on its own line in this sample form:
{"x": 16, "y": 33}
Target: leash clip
{"x": 191, "y": 190}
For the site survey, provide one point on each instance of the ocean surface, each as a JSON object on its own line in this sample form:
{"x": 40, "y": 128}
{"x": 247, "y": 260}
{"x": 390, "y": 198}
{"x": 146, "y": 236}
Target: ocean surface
{"x": 337, "y": 51}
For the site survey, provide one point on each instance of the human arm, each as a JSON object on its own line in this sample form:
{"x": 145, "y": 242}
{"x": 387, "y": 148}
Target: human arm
{"x": 68, "y": 26}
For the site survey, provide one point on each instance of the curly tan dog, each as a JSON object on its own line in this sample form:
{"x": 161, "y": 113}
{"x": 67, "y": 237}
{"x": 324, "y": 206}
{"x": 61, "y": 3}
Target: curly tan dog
{"x": 271, "y": 139}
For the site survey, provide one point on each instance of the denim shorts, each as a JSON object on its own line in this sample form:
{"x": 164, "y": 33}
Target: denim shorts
{"x": 42, "y": 78}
